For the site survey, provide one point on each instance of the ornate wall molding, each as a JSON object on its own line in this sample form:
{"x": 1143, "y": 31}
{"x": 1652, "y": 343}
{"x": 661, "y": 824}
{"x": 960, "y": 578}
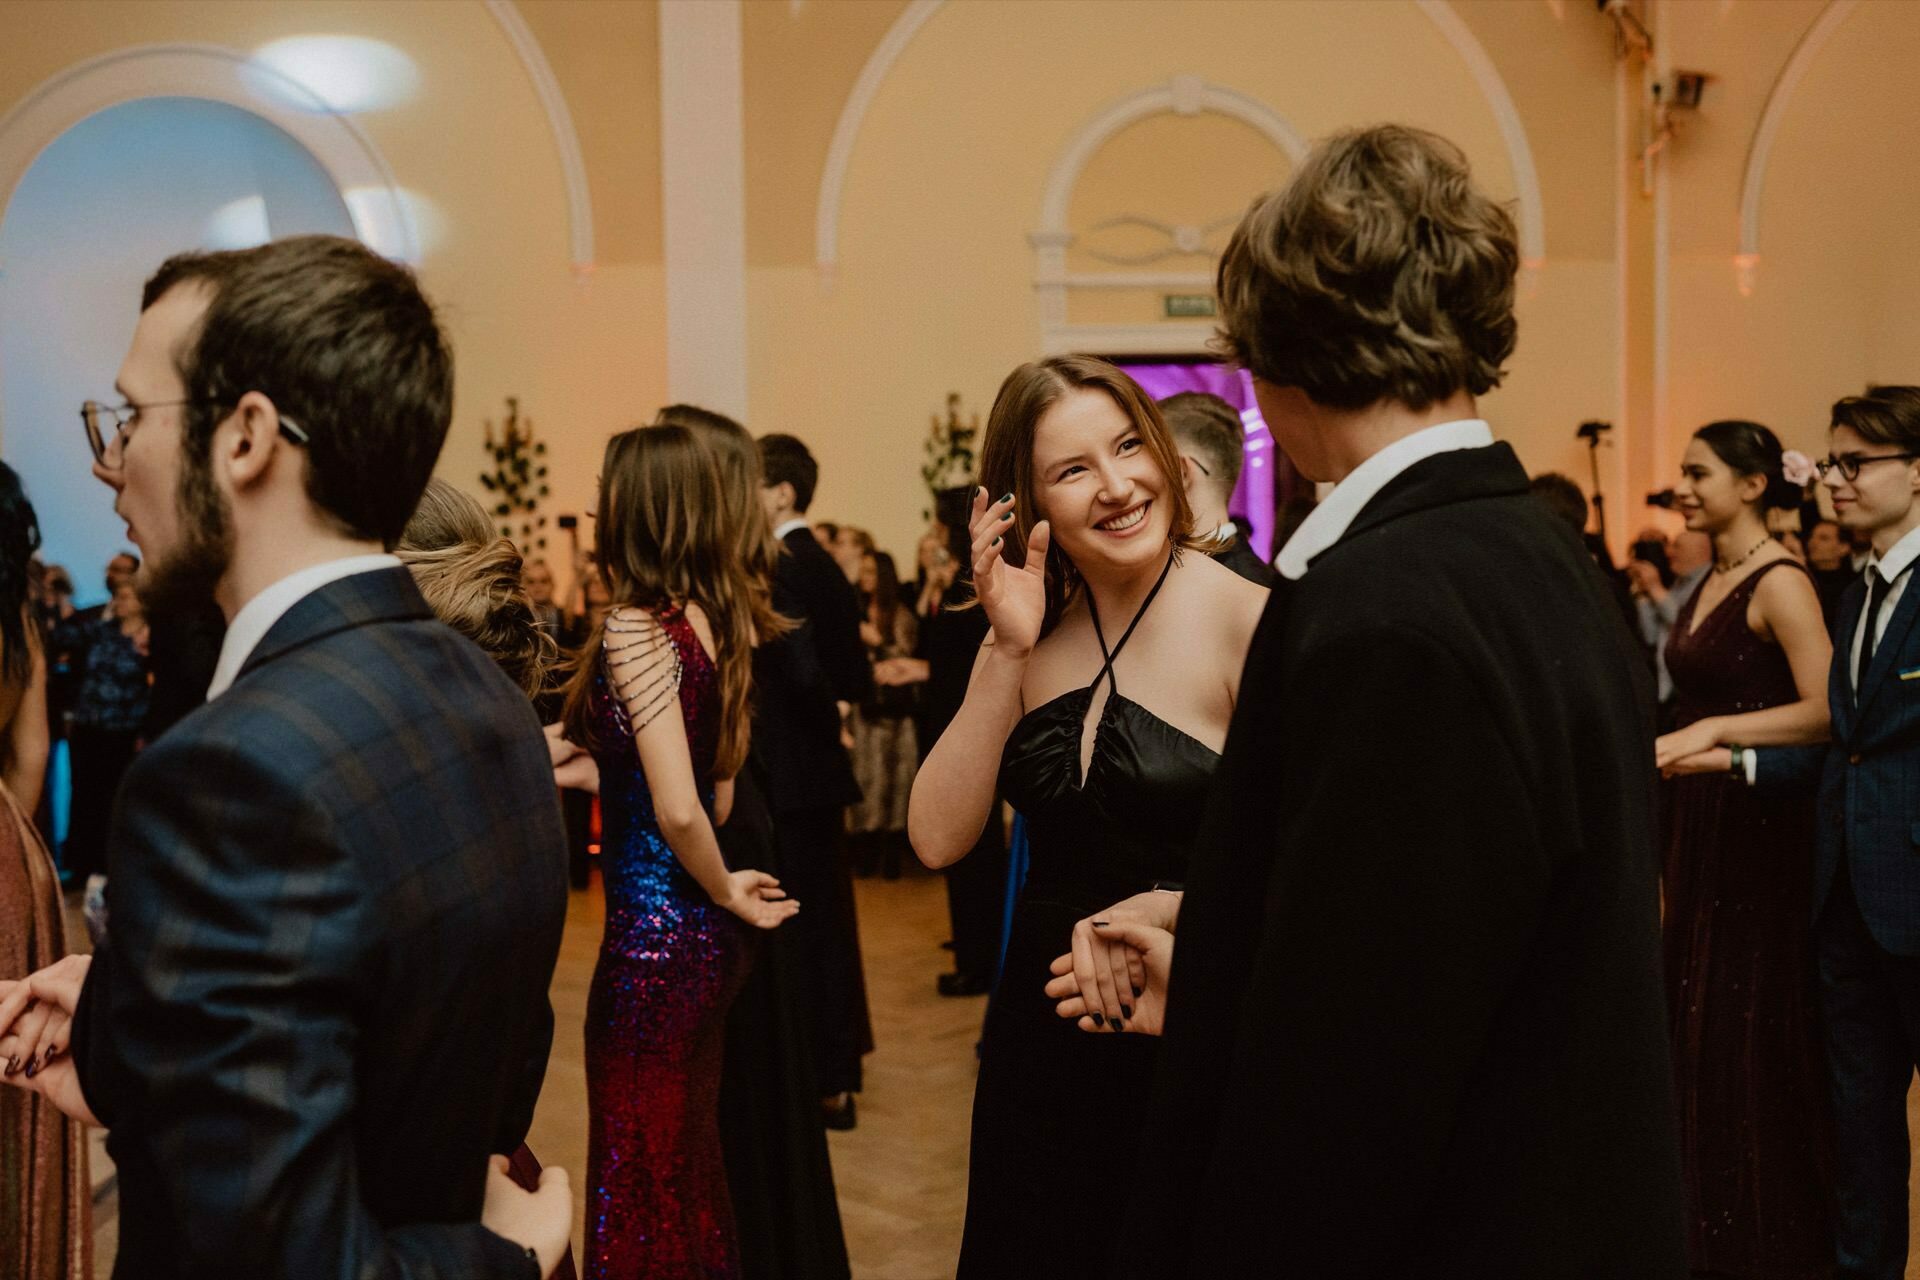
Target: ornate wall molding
{"x": 1753, "y": 182}
{"x": 833, "y": 178}
{"x": 1181, "y": 96}
{"x": 566, "y": 140}
{"x": 1526, "y": 179}
{"x": 216, "y": 74}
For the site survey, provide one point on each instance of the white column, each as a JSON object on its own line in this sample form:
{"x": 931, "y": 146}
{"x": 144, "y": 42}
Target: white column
{"x": 703, "y": 196}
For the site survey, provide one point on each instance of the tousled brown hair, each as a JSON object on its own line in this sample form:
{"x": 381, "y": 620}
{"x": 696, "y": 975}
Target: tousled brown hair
{"x": 1883, "y": 415}
{"x": 662, "y": 539}
{"x": 1380, "y": 272}
{"x": 1006, "y": 457}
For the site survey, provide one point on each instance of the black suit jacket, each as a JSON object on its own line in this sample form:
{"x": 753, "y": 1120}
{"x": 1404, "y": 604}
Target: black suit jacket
{"x": 803, "y": 675}
{"x": 336, "y": 900}
{"x": 1417, "y": 1025}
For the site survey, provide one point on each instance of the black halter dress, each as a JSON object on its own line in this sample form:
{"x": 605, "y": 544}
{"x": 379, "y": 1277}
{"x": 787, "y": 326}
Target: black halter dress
{"x": 1057, "y": 1110}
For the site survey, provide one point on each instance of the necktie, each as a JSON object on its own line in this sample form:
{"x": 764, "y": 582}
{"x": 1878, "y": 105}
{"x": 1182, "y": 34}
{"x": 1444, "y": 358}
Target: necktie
{"x": 1877, "y": 588}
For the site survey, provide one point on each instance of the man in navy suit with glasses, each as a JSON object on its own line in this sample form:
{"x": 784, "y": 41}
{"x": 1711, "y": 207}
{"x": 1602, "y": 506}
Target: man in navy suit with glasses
{"x": 337, "y": 889}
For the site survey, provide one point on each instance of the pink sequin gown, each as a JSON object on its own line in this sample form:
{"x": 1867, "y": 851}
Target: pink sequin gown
{"x": 670, "y": 964}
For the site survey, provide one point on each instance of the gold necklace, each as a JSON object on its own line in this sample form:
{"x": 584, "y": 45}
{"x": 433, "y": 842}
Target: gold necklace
{"x": 1730, "y": 566}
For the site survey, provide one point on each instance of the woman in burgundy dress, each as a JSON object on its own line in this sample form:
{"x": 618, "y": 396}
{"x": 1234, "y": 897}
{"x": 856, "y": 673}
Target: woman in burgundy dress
{"x": 661, "y": 699}
{"x": 1748, "y": 656}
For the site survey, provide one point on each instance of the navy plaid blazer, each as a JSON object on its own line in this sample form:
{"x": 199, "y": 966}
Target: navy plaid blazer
{"x": 337, "y": 895}
{"x": 1869, "y": 775}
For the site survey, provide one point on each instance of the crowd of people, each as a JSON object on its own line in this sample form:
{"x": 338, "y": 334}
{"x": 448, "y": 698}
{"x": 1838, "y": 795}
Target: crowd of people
{"x": 1533, "y": 917}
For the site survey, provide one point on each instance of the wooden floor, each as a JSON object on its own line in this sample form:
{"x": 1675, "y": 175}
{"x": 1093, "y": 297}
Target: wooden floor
{"x": 902, "y": 1174}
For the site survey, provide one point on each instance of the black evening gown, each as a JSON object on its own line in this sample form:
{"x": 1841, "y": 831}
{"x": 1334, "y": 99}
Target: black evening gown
{"x": 1740, "y": 980}
{"x": 1056, "y": 1109}
{"x": 778, "y": 1167}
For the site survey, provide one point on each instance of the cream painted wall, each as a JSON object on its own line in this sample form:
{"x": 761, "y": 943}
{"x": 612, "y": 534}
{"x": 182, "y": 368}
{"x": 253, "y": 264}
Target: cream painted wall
{"x": 585, "y": 357}
{"x": 1833, "y": 299}
{"x": 935, "y": 286}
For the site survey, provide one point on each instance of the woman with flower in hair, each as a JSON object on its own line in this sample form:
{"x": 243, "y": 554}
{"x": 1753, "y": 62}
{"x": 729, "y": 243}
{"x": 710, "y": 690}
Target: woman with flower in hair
{"x": 1749, "y": 656}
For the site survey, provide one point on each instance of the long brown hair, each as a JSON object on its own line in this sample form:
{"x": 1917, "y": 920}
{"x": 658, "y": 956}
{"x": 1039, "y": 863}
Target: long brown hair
{"x": 1006, "y": 457}
{"x": 740, "y": 481}
{"x": 662, "y": 540}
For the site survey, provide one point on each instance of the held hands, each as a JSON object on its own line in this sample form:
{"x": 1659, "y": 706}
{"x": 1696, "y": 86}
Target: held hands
{"x": 1716, "y": 760}
{"x": 1108, "y": 980}
{"x": 1701, "y": 735}
{"x": 757, "y": 898}
{"x": 540, "y": 1220}
{"x": 1146, "y": 1013}
{"x": 36, "y": 1027}
{"x": 1015, "y": 599}
{"x": 573, "y": 768}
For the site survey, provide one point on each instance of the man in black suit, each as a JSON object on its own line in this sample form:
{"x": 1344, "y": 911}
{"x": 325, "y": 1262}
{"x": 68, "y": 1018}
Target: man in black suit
{"x": 809, "y": 681}
{"x": 1210, "y": 437}
{"x": 1415, "y": 1024}
{"x": 338, "y": 887}
{"x": 1866, "y": 885}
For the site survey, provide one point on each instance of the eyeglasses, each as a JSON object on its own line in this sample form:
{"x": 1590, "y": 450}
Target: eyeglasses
{"x": 1848, "y": 465}
{"x": 107, "y": 425}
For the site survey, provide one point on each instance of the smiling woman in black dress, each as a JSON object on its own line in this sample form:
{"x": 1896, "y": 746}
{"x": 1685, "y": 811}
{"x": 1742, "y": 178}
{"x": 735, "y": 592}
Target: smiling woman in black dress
{"x": 1098, "y": 705}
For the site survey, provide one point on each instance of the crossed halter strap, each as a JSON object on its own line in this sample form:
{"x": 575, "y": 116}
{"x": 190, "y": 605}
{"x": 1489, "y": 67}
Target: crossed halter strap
{"x": 1112, "y": 655}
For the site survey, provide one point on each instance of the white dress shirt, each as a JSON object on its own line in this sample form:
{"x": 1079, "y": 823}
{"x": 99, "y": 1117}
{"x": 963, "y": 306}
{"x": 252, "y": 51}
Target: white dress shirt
{"x": 257, "y": 616}
{"x": 798, "y": 522}
{"x": 1329, "y": 521}
{"x": 1893, "y": 566}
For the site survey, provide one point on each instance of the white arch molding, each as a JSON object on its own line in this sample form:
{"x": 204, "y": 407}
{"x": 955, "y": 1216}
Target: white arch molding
{"x": 380, "y": 216}
{"x": 566, "y": 139}
{"x": 833, "y": 177}
{"x": 1180, "y": 96}
{"x": 1753, "y": 181}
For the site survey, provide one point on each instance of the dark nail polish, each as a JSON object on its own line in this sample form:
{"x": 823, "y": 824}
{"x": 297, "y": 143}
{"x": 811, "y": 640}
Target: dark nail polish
{"x": 31, "y": 1068}
{"x": 1136, "y": 993}
{"x": 1099, "y": 924}
{"x": 996, "y": 542}
{"x": 1008, "y": 498}
{"x": 1007, "y": 514}
{"x": 13, "y": 1065}
{"x": 1098, "y": 1021}
{"x": 1126, "y": 1011}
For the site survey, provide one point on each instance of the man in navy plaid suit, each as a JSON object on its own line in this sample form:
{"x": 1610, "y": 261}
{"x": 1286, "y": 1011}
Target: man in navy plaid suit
{"x": 337, "y": 889}
{"x": 1866, "y": 890}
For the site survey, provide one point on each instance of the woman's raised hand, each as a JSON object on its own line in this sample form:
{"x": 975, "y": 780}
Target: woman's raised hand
{"x": 1015, "y": 599}
{"x": 757, "y": 898}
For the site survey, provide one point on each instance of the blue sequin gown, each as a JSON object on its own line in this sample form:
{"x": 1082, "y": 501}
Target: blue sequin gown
{"x": 671, "y": 961}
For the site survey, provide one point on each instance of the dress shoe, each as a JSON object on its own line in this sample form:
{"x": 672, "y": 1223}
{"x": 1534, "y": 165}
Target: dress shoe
{"x": 963, "y": 984}
{"x": 837, "y": 1112}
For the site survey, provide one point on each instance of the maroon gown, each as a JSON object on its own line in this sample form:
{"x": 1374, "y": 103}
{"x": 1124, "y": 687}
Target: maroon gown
{"x": 1754, "y": 1129}
{"x": 671, "y": 962}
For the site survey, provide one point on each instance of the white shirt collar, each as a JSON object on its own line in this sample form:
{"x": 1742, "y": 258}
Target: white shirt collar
{"x": 1899, "y": 557}
{"x": 257, "y": 616}
{"x": 1329, "y": 521}
{"x": 798, "y": 522}
{"x": 1226, "y": 532}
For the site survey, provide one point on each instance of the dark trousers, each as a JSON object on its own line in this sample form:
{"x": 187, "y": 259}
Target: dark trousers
{"x": 576, "y": 811}
{"x": 98, "y": 759}
{"x": 976, "y": 901}
{"x": 813, "y": 870}
{"x": 1870, "y": 1009}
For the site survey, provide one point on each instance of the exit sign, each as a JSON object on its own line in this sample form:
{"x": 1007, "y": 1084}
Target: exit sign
{"x": 1183, "y": 305}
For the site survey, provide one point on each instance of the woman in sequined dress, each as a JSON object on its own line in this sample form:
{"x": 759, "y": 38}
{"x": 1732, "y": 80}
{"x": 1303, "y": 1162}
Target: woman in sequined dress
{"x": 660, "y": 698}
{"x": 1749, "y": 657}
